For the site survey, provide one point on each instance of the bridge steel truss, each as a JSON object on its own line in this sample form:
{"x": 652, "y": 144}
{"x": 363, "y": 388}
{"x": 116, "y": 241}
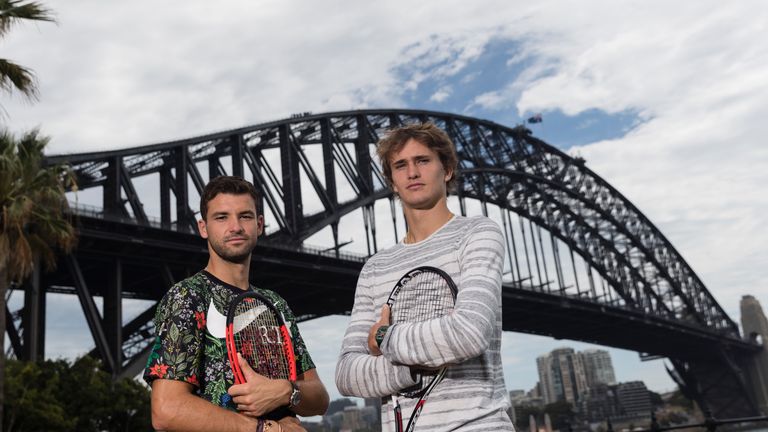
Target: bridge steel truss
{"x": 632, "y": 289}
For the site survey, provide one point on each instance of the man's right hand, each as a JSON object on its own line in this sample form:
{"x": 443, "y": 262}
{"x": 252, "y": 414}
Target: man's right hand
{"x": 259, "y": 394}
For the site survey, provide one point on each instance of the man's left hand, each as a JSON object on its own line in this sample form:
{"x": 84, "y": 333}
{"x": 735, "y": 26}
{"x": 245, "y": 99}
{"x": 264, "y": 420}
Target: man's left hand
{"x": 259, "y": 395}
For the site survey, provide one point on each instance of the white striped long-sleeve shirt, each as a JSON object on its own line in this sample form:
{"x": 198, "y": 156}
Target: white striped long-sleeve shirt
{"x": 473, "y": 395}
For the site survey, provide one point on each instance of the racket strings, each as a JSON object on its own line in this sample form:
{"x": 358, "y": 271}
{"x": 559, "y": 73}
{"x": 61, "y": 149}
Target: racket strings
{"x": 425, "y": 295}
{"x": 257, "y": 337}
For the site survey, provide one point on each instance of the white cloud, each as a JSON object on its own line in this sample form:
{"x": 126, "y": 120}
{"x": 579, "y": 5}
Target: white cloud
{"x": 442, "y": 94}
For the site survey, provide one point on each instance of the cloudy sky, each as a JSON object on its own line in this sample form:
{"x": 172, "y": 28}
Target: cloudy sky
{"x": 666, "y": 101}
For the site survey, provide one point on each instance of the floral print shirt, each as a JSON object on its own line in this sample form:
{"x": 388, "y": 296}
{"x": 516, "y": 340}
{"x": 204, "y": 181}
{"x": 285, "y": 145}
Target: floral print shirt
{"x": 190, "y": 344}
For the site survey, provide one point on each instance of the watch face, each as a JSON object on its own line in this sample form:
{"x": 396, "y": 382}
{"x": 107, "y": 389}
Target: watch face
{"x": 295, "y": 395}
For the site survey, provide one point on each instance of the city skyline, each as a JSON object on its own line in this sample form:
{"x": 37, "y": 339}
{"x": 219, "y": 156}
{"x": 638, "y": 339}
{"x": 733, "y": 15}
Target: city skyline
{"x": 663, "y": 101}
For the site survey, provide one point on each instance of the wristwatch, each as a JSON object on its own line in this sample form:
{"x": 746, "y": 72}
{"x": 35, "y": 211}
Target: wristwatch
{"x": 379, "y": 335}
{"x": 295, "y": 395}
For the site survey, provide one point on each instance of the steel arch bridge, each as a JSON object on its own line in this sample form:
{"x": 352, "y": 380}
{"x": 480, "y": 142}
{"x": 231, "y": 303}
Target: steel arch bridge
{"x": 582, "y": 261}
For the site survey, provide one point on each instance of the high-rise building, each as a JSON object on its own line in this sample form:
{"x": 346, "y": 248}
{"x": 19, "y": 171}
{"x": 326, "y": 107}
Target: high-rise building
{"x": 600, "y": 403}
{"x": 624, "y": 400}
{"x": 561, "y": 376}
{"x": 546, "y": 379}
{"x": 755, "y": 327}
{"x": 598, "y": 367}
{"x": 634, "y": 398}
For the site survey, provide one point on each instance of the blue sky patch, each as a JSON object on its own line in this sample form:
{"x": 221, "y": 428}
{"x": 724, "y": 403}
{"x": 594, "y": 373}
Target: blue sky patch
{"x": 494, "y": 70}
{"x": 564, "y": 132}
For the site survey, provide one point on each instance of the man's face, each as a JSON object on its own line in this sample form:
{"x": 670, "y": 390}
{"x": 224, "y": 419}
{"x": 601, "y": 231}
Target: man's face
{"x": 418, "y": 176}
{"x": 231, "y": 226}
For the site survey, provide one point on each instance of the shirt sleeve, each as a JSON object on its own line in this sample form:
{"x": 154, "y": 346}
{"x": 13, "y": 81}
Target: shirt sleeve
{"x": 358, "y": 373}
{"x": 467, "y": 331}
{"x": 179, "y": 329}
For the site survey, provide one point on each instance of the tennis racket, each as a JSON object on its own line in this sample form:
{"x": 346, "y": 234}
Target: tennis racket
{"x": 421, "y": 294}
{"x": 256, "y": 329}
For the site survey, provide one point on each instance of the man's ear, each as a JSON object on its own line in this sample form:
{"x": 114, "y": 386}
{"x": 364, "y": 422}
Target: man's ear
{"x": 260, "y": 221}
{"x": 202, "y": 228}
{"x": 448, "y": 175}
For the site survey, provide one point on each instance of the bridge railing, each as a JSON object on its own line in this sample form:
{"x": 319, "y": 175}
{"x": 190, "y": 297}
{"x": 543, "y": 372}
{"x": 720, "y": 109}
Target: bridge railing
{"x": 80, "y": 209}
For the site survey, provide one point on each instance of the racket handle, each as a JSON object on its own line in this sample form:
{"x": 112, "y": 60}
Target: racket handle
{"x": 415, "y": 416}
{"x": 398, "y": 414}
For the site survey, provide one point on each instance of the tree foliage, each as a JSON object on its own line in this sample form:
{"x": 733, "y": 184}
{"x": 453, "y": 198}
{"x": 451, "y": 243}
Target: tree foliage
{"x": 33, "y": 221}
{"x": 78, "y": 396}
{"x": 561, "y": 415}
{"x": 32, "y": 205}
{"x": 12, "y": 75}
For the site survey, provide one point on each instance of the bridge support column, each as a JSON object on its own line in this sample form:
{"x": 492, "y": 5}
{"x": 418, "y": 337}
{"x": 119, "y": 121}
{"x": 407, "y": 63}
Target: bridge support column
{"x": 113, "y": 314}
{"x": 165, "y": 197}
{"x": 237, "y": 155}
{"x": 112, "y": 196}
{"x": 755, "y": 326}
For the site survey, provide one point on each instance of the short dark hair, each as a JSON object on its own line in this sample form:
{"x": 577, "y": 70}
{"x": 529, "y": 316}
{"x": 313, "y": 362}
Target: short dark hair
{"x": 426, "y": 133}
{"x": 227, "y": 185}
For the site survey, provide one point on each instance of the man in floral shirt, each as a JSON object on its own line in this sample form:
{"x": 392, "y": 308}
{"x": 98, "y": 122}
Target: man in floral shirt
{"x": 192, "y": 382}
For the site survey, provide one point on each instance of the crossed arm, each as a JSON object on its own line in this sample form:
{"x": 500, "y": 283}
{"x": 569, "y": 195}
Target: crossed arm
{"x": 466, "y": 333}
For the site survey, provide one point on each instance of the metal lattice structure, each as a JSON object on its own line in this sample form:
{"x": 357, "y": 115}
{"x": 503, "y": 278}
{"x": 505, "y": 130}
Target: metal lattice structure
{"x": 583, "y": 262}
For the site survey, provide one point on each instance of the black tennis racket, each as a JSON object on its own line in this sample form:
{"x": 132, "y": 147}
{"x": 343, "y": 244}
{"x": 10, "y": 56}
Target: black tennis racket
{"x": 421, "y": 294}
{"x": 256, "y": 329}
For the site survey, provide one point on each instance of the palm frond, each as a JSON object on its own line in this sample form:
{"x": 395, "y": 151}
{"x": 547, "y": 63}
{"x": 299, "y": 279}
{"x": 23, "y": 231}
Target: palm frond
{"x": 13, "y": 76}
{"x": 14, "y": 11}
{"x": 33, "y": 219}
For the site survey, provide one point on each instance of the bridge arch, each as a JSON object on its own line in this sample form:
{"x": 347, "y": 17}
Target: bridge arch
{"x": 315, "y": 169}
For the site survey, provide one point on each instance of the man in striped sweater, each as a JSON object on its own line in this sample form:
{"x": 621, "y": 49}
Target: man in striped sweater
{"x": 378, "y": 360}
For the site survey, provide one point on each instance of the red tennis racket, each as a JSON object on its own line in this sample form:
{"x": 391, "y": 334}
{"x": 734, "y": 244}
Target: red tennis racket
{"x": 421, "y": 294}
{"x": 256, "y": 329}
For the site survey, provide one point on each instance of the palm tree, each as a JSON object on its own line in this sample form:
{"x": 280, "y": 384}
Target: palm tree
{"x": 13, "y": 76}
{"x": 33, "y": 219}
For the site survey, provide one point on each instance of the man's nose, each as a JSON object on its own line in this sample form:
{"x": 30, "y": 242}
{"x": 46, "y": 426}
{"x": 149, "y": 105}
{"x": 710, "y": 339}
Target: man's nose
{"x": 413, "y": 170}
{"x": 236, "y": 225}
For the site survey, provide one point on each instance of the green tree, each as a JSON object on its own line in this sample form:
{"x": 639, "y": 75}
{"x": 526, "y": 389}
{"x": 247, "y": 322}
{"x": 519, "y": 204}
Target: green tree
{"x": 59, "y": 396}
{"x": 32, "y": 402}
{"x": 97, "y": 403}
{"x": 561, "y": 414}
{"x": 524, "y": 413}
{"x": 33, "y": 222}
{"x": 13, "y": 76}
